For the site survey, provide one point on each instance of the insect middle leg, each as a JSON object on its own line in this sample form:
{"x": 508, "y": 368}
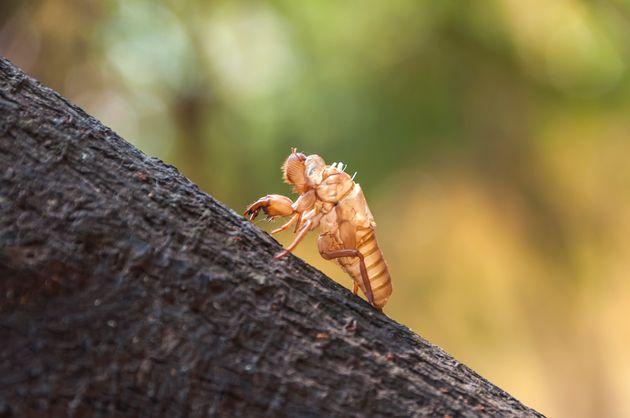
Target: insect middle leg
{"x": 311, "y": 222}
{"x": 294, "y": 218}
{"x": 301, "y": 234}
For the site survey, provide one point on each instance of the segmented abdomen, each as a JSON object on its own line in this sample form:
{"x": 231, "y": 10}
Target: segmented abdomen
{"x": 380, "y": 280}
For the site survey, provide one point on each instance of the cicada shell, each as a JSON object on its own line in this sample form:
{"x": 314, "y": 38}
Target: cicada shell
{"x": 330, "y": 200}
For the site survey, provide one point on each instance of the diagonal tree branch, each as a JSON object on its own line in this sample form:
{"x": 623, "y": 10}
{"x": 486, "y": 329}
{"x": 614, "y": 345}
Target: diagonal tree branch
{"x": 127, "y": 291}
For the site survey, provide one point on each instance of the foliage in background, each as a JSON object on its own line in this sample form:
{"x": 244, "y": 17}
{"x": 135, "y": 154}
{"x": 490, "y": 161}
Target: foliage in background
{"x": 490, "y": 137}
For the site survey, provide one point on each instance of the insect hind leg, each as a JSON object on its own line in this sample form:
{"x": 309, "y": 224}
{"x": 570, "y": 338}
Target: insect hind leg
{"x": 329, "y": 249}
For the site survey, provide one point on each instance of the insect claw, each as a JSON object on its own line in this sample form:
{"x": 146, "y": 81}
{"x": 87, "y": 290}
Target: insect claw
{"x": 250, "y": 214}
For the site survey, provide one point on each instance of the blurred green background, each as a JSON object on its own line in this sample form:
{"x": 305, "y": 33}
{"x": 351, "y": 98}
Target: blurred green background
{"x": 491, "y": 139}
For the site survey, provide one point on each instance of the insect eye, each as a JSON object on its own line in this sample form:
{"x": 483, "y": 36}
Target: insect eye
{"x": 310, "y": 170}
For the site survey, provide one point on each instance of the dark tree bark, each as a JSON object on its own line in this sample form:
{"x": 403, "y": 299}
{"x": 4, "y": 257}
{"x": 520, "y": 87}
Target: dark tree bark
{"x": 127, "y": 291}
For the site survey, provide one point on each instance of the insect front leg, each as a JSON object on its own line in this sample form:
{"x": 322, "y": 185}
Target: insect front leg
{"x": 301, "y": 205}
{"x": 273, "y": 205}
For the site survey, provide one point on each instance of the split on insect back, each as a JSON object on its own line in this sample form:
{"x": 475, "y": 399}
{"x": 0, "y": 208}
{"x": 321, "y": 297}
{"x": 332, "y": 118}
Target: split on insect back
{"x": 331, "y": 200}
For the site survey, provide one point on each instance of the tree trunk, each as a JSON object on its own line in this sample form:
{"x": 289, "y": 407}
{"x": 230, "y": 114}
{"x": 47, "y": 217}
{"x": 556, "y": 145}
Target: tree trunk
{"x": 127, "y": 291}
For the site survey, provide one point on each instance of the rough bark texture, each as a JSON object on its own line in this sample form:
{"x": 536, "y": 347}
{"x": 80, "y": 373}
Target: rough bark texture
{"x": 127, "y": 291}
